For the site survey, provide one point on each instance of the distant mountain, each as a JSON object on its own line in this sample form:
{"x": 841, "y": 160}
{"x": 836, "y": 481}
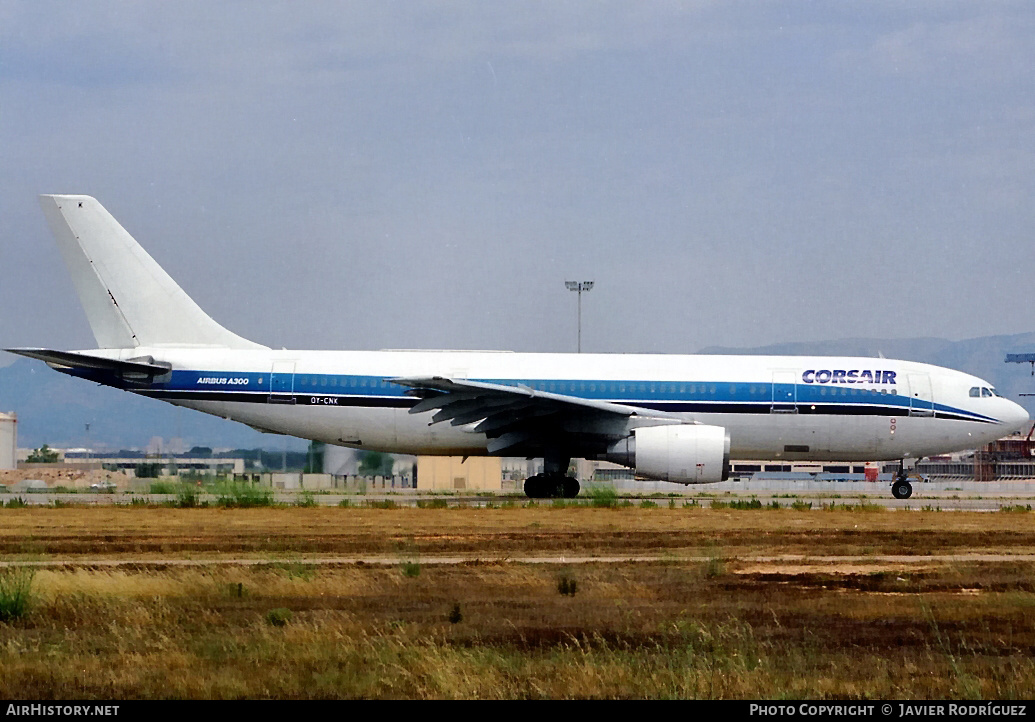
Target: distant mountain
{"x": 54, "y": 409}
{"x": 983, "y": 357}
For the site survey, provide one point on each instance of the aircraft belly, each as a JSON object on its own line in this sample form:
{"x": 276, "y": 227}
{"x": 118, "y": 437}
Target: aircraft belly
{"x": 393, "y": 430}
{"x": 802, "y": 436}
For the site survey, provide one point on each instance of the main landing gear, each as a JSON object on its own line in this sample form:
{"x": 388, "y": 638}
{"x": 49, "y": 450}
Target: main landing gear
{"x": 551, "y": 486}
{"x": 554, "y": 482}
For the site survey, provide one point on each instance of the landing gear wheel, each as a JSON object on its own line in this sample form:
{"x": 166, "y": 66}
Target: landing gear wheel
{"x": 548, "y": 486}
{"x": 902, "y": 489}
{"x": 570, "y": 487}
{"x": 534, "y": 487}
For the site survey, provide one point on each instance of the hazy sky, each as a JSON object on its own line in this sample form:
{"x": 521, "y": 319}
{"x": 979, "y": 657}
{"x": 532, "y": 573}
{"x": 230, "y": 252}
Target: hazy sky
{"x": 411, "y": 175}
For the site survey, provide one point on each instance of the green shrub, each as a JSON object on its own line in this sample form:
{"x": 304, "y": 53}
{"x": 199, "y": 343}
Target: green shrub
{"x": 411, "y": 569}
{"x": 164, "y": 487}
{"x": 187, "y": 497}
{"x": 43, "y": 455}
{"x": 16, "y": 595}
{"x": 305, "y": 499}
{"x": 278, "y": 617}
{"x": 295, "y": 570}
{"x": 455, "y": 615}
{"x": 567, "y": 586}
{"x": 604, "y": 497}
{"x": 243, "y": 496}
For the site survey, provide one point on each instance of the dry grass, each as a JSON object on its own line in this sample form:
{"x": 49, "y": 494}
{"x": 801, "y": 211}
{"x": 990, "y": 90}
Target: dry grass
{"x": 140, "y": 532}
{"x": 719, "y": 628}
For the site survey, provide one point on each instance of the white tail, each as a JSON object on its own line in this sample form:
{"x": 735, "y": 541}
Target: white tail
{"x": 129, "y": 300}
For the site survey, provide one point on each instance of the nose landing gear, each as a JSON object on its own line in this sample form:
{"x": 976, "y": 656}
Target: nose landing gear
{"x": 900, "y": 487}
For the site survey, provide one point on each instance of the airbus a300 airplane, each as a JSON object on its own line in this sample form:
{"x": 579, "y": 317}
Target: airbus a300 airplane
{"x": 671, "y": 418}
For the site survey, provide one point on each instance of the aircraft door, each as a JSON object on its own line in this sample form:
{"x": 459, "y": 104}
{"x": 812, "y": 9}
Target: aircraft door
{"x": 282, "y": 383}
{"x": 921, "y": 398}
{"x": 784, "y": 392}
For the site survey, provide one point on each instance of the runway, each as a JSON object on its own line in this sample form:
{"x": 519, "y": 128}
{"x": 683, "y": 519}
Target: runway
{"x": 931, "y": 496}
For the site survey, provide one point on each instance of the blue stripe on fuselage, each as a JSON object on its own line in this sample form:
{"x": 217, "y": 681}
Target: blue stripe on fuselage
{"x": 713, "y": 397}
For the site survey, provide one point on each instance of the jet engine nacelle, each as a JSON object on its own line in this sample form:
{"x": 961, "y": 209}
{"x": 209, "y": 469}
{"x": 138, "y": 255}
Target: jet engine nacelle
{"x": 684, "y": 453}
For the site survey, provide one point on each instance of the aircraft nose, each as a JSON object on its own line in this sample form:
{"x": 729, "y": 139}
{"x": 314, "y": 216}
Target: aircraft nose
{"x": 1016, "y": 417}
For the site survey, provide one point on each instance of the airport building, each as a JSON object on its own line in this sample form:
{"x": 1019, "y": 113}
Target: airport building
{"x": 457, "y": 473}
{"x": 8, "y": 441}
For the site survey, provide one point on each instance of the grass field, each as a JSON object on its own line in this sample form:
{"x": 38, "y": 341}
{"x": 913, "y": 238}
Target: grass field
{"x": 737, "y": 604}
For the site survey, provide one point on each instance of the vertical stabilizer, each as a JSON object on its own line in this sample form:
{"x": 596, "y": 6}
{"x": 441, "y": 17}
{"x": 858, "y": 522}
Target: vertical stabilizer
{"x": 129, "y": 300}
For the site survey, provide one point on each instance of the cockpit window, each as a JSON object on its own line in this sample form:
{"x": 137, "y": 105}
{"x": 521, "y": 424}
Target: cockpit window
{"x": 985, "y": 392}
{"x": 975, "y": 392}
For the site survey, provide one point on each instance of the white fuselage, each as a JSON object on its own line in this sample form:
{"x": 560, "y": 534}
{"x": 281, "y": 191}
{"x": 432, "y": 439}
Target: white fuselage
{"x": 773, "y": 407}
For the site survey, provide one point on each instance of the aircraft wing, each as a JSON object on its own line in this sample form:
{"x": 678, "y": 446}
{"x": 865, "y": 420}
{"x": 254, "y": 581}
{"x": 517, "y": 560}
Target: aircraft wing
{"x": 522, "y": 421}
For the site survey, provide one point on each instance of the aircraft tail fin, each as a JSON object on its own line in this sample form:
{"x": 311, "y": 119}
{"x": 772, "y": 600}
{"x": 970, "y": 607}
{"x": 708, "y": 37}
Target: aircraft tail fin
{"x": 129, "y": 300}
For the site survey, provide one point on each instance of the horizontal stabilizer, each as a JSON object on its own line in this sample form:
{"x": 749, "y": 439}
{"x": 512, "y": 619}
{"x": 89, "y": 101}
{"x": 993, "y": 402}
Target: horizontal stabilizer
{"x": 73, "y": 360}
